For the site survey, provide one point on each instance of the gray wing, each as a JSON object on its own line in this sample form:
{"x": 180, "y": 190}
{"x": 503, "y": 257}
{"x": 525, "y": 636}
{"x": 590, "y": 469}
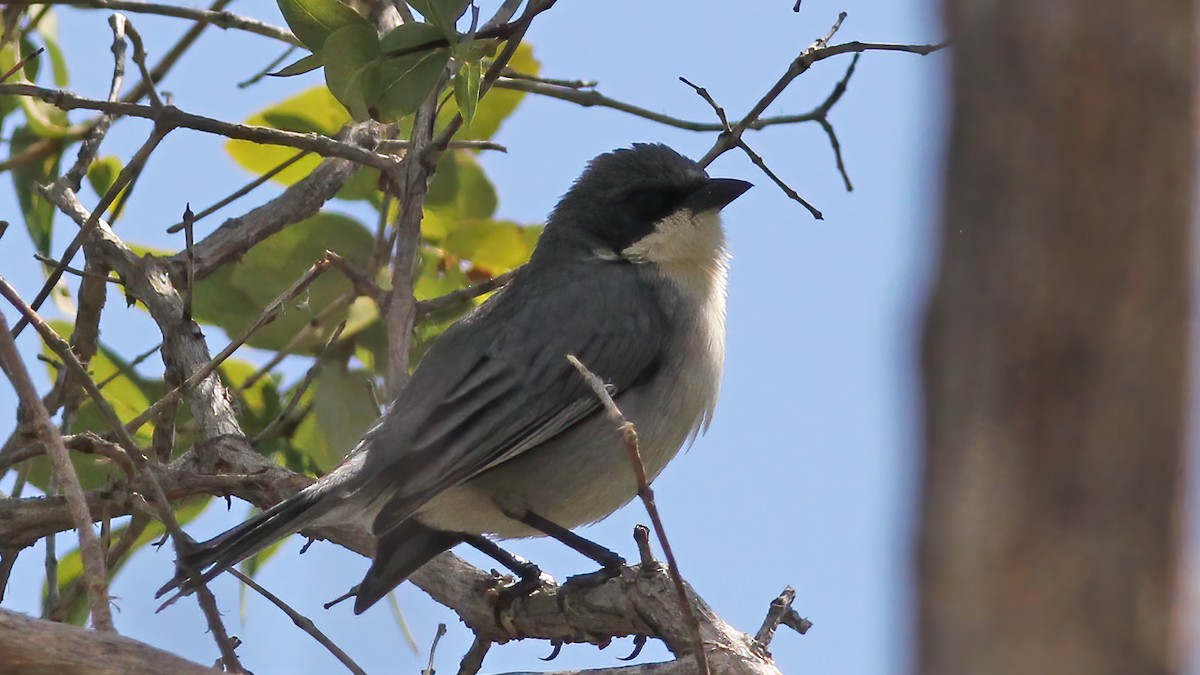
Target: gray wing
{"x": 498, "y": 383}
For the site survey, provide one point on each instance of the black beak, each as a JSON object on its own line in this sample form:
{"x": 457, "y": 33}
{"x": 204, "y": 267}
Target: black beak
{"x": 716, "y": 194}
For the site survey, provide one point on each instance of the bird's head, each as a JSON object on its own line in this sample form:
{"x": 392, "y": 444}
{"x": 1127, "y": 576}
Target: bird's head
{"x": 647, "y": 203}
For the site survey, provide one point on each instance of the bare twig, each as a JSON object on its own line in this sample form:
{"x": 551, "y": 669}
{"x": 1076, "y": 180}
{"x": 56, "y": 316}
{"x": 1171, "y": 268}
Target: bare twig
{"x": 270, "y": 68}
{"x": 95, "y": 135}
{"x": 437, "y": 637}
{"x": 139, "y": 58}
{"x": 787, "y": 189}
{"x": 65, "y": 476}
{"x": 266, "y": 316}
{"x": 127, "y": 174}
{"x": 309, "y": 376}
{"x": 628, "y": 435}
{"x": 137, "y": 525}
{"x": 189, "y": 220}
{"x": 75, "y": 270}
{"x": 242, "y": 191}
{"x": 222, "y": 19}
{"x": 818, "y": 52}
{"x": 454, "y": 298}
{"x": 302, "y": 622}
{"x": 170, "y": 117}
{"x": 162, "y": 506}
{"x": 779, "y": 607}
{"x": 472, "y": 661}
{"x": 399, "y": 307}
{"x": 20, "y": 65}
{"x": 8, "y": 558}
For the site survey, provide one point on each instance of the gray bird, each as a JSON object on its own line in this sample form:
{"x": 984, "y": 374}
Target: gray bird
{"x": 496, "y": 433}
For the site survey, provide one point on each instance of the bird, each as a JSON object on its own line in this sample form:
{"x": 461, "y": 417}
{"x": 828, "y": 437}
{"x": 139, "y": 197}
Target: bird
{"x": 496, "y": 435}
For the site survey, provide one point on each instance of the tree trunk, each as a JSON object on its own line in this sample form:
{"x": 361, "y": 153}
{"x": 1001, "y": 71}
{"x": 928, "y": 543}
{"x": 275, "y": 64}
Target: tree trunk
{"x": 1056, "y": 345}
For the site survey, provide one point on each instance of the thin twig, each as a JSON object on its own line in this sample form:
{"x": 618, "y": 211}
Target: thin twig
{"x": 472, "y": 661}
{"x": 219, "y": 19}
{"x": 65, "y": 476}
{"x": 50, "y": 563}
{"x": 787, "y": 189}
{"x": 21, "y": 64}
{"x": 95, "y": 135}
{"x": 75, "y": 270}
{"x": 302, "y": 336}
{"x": 754, "y": 157}
{"x": 266, "y": 316}
{"x": 189, "y": 220}
{"x": 309, "y": 376}
{"x": 270, "y": 68}
{"x": 170, "y": 117}
{"x": 139, "y": 58}
{"x": 819, "y": 51}
{"x": 8, "y": 558}
{"x": 242, "y": 191}
{"x": 779, "y": 607}
{"x": 127, "y": 174}
{"x": 455, "y": 298}
{"x": 302, "y": 622}
{"x": 137, "y": 361}
{"x": 162, "y": 508}
{"x": 437, "y": 637}
{"x": 628, "y": 435}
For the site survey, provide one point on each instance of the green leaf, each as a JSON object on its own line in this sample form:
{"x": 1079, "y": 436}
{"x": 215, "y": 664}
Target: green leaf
{"x": 314, "y": 110}
{"x": 442, "y": 13}
{"x": 314, "y": 21}
{"x": 352, "y": 68}
{"x": 125, "y": 390}
{"x": 494, "y": 246}
{"x": 407, "y": 82}
{"x": 103, "y": 173}
{"x": 257, "y": 404}
{"x": 304, "y": 64}
{"x": 344, "y": 410}
{"x": 466, "y": 89}
{"x": 496, "y": 105}
{"x": 234, "y": 296}
{"x": 47, "y": 28}
{"x": 39, "y": 213}
{"x": 409, "y": 36}
{"x": 459, "y": 190}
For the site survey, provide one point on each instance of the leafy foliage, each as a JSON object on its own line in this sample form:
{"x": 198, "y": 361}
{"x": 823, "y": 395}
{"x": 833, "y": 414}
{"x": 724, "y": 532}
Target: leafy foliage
{"x": 367, "y": 75}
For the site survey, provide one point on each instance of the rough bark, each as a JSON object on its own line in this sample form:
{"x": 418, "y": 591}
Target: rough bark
{"x": 1056, "y": 347}
{"x": 34, "y": 647}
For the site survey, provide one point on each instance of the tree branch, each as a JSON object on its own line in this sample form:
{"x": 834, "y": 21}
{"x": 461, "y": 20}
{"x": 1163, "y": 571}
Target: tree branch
{"x": 224, "y": 20}
{"x": 32, "y": 645}
{"x": 65, "y": 476}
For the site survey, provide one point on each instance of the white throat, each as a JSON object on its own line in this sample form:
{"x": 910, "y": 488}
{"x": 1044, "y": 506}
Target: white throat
{"x": 689, "y": 249}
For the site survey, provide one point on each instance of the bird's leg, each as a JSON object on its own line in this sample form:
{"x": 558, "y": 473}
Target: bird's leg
{"x": 529, "y": 575}
{"x": 610, "y": 562}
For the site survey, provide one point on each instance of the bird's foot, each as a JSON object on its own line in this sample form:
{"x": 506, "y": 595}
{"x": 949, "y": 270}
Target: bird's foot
{"x": 611, "y": 570}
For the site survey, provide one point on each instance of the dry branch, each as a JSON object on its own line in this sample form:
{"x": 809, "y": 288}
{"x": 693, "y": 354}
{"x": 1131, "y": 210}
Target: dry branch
{"x": 31, "y": 645}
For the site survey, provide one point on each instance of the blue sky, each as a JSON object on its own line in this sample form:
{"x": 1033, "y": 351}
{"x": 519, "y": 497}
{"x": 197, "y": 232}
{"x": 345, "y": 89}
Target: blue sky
{"x": 807, "y": 474}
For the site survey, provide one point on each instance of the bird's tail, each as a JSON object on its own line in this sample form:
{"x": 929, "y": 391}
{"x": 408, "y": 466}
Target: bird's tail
{"x": 225, "y": 550}
{"x": 399, "y": 553}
